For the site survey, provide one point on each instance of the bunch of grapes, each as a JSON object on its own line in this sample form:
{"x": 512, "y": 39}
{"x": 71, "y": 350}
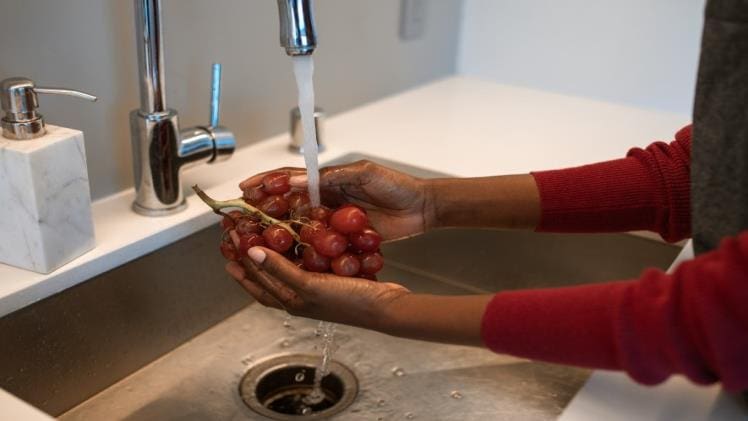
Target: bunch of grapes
{"x": 317, "y": 239}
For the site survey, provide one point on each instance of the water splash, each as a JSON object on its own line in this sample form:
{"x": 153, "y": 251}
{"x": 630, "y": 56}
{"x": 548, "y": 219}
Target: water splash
{"x": 303, "y": 67}
{"x": 328, "y": 349}
{"x": 398, "y": 372}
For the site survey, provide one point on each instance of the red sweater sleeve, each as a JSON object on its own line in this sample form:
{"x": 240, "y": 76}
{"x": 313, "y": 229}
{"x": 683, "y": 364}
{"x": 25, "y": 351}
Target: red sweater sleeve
{"x": 647, "y": 190}
{"x": 693, "y": 322}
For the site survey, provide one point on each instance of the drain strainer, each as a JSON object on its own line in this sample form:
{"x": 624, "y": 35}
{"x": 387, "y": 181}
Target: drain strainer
{"x": 276, "y": 388}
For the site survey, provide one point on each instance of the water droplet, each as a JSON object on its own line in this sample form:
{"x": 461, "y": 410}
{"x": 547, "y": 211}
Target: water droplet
{"x": 300, "y": 376}
{"x": 286, "y": 343}
{"x": 247, "y": 360}
{"x": 398, "y": 372}
{"x": 410, "y": 415}
{"x": 306, "y": 410}
{"x": 381, "y": 402}
{"x": 286, "y": 324}
{"x": 456, "y": 394}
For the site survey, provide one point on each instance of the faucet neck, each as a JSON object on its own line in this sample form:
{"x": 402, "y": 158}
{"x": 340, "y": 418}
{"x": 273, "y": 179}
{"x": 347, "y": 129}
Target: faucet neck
{"x": 149, "y": 42}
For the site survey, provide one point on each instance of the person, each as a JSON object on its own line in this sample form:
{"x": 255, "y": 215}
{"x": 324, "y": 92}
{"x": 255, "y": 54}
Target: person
{"x": 693, "y": 321}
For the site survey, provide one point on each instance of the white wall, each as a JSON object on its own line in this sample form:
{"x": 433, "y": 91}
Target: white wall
{"x": 639, "y": 52}
{"x": 90, "y": 45}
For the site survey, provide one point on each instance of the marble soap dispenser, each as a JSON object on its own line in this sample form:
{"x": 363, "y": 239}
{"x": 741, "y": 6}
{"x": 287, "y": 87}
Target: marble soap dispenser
{"x": 45, "y": 203}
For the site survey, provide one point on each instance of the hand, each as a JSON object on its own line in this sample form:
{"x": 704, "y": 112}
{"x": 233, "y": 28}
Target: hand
{"x": 398, "y": 205}
{"x": 276, "y": 282}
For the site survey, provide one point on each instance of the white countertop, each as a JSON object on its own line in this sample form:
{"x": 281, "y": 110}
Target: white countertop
{"x": 458, "y": 126}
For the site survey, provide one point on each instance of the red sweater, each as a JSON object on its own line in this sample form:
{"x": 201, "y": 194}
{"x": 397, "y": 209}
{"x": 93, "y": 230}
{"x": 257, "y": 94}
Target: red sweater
{"x": 693, "y": 322}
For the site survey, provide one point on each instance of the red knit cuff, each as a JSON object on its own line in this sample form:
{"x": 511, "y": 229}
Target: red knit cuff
{"x": 611, "y": 196}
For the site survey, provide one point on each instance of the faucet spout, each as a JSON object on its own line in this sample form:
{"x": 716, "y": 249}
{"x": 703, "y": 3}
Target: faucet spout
{"x": 297, "y": 32}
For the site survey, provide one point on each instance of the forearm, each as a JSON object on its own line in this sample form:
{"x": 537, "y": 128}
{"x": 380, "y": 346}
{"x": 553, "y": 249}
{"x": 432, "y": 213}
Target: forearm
{"x": 510, "y": 201}
{"x": 445, "y": 319}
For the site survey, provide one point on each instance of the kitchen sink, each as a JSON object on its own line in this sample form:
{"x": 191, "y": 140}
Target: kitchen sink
{"x": 170, "y": 336}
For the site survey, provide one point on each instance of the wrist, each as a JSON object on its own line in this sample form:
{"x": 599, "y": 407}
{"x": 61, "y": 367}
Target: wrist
{"x": 389, "y": 313}
{"x": 430, "y": 217}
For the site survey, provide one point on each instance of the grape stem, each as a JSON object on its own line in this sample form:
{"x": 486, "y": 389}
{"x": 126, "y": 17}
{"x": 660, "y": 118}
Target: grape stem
{"x": 219, "y": 205}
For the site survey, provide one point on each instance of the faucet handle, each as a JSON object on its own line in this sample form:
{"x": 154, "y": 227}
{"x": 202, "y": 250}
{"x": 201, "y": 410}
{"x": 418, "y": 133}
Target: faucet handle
{"x": 215, "y": 94}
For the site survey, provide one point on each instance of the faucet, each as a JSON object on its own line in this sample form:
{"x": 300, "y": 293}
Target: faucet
{"x": 297, "y": 32}
{"x": 161, "y": 150}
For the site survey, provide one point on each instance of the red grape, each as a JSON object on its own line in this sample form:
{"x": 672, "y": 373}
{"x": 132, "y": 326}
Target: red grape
{"x": 278, "y": 238}
{"x": 229, "y": 221}
{"x": 275, "y": 206}
{"x": 248, "y": 225}
{"x": 276, "y": 183}
{"x": 330, "y": 243}
{"x": 366, "y": 240}
{"x": 228, "y": 250}
{"x": 332, "y": 240}
{"x": 254, "y": 195}
{"x": 320, "y": 213}
{"x": 246, "y": 242}
{"x": 345, "y": 265}
{"x": 371, "y": 263}
{"x": 314, "y": 261}
{"x": 299, "y": 203}
{"x": 349, "y": 220}
{"x": 310, "y": 231}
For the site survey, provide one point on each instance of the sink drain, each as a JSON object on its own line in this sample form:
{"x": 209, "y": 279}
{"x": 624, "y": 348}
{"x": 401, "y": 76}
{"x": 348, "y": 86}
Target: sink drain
{"x": 276, "y": 388}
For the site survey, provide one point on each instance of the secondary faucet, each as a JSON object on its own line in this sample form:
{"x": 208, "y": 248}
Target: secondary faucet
{"x": 160, "y": 149}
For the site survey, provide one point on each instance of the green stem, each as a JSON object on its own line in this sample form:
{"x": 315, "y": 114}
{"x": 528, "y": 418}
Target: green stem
{"x": 218, "y": 205}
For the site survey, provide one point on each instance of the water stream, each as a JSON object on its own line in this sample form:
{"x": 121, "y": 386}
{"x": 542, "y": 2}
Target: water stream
{"x": 303, "y": 67}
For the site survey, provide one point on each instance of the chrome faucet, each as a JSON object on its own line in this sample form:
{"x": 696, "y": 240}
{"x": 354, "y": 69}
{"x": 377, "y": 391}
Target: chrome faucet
{"x": 297, "y": 33}
{"x": 161, "y": 150}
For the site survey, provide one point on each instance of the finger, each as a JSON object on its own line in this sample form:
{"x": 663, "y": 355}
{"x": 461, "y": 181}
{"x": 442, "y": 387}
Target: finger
{"x": 298, "y": 181}
{"x": 235, "y": 270}
{"x": 357, "y": 173}
{"x": 234, "y": 238}
{"x": 255, "y": 290}
{"x": 279, "y": 267}
{"x": 277, "y": 288}
{"x": 256, "y": 179}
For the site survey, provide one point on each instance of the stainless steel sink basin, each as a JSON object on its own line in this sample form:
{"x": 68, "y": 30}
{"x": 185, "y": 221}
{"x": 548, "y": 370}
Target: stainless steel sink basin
{"x": 169, "y": 336}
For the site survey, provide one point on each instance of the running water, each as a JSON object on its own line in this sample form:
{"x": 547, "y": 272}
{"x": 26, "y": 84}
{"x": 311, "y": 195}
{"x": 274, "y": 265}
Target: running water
{"x": 303, "y": 68}
{"x": 327, "y": 330}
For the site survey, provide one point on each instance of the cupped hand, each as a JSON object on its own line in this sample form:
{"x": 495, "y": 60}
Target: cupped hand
{"x": 276, "y": 282}
{"x": 398, "y": 205}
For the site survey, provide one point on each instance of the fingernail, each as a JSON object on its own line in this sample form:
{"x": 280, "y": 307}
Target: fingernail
{"x": 298, "y": 181}
{"x": 257, "y": 255}
{"x": 234, "y": 238}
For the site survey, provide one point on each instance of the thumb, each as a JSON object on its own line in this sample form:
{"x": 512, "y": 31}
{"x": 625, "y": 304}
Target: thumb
{"x": 277, "y": 266}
